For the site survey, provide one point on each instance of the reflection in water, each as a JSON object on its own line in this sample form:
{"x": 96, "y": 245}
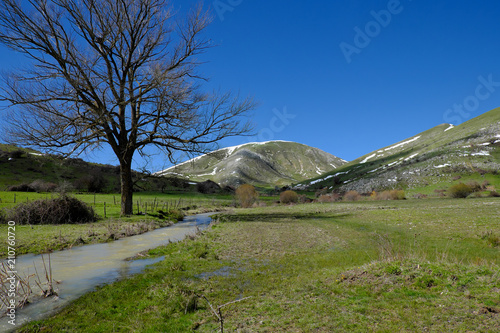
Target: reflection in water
{"x": 81, "y": 269}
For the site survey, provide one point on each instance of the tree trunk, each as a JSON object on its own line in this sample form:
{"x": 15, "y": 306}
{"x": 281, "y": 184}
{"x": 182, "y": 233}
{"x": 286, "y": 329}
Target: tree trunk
{"x": 127, "y": 187}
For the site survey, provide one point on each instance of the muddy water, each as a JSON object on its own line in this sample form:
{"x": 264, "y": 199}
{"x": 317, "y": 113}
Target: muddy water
{"x": 83, "y": 268}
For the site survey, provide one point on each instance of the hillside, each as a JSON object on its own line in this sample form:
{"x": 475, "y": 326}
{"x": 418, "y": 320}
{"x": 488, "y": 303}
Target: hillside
{"x": 265, "y": 164}
{"x": 44, "y": 172}
{"x": 431, "y": 157}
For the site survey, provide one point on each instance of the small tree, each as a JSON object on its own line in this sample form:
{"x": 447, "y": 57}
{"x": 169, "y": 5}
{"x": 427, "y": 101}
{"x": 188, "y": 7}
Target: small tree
{"x": 289, "y": 197}
{"x": 352, "y": 196}
{"x": 460, "y": 191}
{"x": 247, "y": 195}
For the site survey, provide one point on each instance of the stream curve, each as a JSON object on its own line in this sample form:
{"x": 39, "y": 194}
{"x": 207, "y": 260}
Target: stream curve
{"x": 81, "y": 269}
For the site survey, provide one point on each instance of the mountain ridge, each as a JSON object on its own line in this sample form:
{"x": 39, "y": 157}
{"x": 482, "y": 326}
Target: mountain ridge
{"x": 267, "y": 163}
{"x": 432, "y": 156}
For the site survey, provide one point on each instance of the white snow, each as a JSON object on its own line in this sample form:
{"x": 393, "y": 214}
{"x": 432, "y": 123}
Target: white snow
{"x": 322, "y": 179}
{"x": 374, "y": 170}
{"x": 485, "y": 144}
{"x": 209, "y": 174}
{"x": 449, "y": 128}
{"x": 481, "y": 153}
{"x": 229, "y": 150}
{"x": 327, "y": 177}
{"x": 403, "y": 143}
{"x": 393, "y": 163}
{"x": 412, "y": 156}
{"x": 442, "y": 166}
{"x": 366, "y": 159}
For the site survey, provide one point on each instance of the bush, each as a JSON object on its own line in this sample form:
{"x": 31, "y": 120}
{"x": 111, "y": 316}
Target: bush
{"x": 289, "y": 197}
{"x": 474, "y": 186}
{"x": 20, "y": 188}
{"x": 304, "y": 199}
{"x": 94, "y": 183}
{"x": 332, "y": 197}
{"x": 208, "y": 187}
{"x": 459, "y": 191}
{"x": 389, "y": 195}
{"x": 43, "y": 186}
{"x": 352, "y": 196}
{"x": 494, "y": 194}
{"x": 3, "y": 216}
{"x": 62, "y": 210}
{"x": 247, "y": 195}
{"x": 17, "y": 153}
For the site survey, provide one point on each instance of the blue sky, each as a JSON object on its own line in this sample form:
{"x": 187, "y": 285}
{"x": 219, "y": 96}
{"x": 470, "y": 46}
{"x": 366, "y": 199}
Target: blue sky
{"x": 350, "y": 77}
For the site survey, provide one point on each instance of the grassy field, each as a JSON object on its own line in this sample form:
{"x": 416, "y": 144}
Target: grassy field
{"x": 43, "y": 238}
{"x": 405, "y": 266}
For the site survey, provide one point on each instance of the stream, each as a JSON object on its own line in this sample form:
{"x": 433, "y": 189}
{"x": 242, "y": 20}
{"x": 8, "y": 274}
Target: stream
{"x": 82, "y": 269}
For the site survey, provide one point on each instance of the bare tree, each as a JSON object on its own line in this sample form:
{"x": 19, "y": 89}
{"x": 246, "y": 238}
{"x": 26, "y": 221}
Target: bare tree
{"x": 115, "y": 72}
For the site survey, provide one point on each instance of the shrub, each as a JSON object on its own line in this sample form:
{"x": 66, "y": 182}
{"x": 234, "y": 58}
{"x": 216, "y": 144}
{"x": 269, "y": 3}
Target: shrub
{"x": 389, "y": 195}
{"x": 289, "y": 197}
{"x": 474, "y": 186}
{"x": 304, "y": 199}
{"x": 491, "y": 238}
{"x": 459, "y": 191}
{"x": 208, "y": 187}
{"x": 94, "y": 183}
{"x": 65, "y": 187}
{"x": 43, "y": 186}
{"x": 17, "y": 153}
{"x": 332, "y": 197}
{"x": 439, "y": 192}
{"x": 20, "y": 188}
{"x": 247, "y": 195}
{"x": 494, "y": 194}
{"x": 3, "y": 216}
{"x": 397, "y": 195}
{"x": 352, "y": 196}
{"x": 62, "y": 210}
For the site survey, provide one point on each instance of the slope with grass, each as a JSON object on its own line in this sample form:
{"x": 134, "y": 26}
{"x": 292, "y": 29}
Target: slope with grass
{"x": 407, "y": 266}
{"x": 433, "y": 157}
{"x": 264, "y": 163}
{"x": 48, "y": 172}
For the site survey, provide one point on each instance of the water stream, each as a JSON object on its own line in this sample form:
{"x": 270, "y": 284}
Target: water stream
{"x": 83, "y": 268}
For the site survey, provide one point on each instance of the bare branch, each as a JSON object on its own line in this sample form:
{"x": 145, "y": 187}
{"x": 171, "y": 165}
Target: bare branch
{"x": 118, "y": 73}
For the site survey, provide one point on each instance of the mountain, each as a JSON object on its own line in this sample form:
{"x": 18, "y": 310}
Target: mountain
{"x": 435, "y": 156}
{"x": 259, "y": 163}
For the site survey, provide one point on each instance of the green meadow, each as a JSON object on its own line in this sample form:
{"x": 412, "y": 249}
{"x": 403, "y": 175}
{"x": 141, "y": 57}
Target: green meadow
{"x": 428, "y": 265}
{"x": 110, "y": 226}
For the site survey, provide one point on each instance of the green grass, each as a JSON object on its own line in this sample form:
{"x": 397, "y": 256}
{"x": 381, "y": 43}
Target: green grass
{"x": 42, "y": 238}
{"x": 405, "y": 266}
